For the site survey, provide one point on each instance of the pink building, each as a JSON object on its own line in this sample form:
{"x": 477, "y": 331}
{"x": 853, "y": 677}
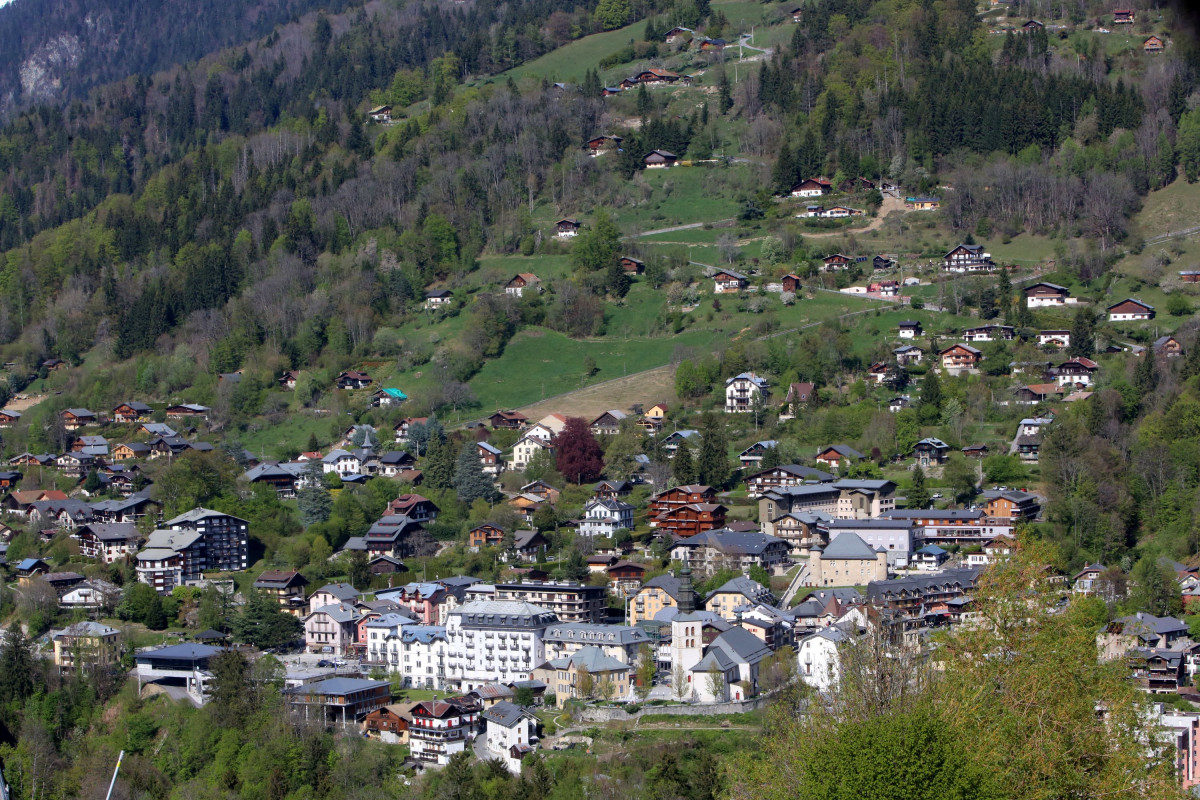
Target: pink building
{"x": 426, "y": 600}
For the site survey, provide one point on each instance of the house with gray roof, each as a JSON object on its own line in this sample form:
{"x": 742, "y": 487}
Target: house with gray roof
{"x": 710, "y": 551}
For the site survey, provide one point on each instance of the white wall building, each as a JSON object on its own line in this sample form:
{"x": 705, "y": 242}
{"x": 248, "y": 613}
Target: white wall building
{"x": 524, "y": 449}
{"x": 509, "y": 731}
{"x": 494, "y": 640}
{"x": 817, "y": 657}
{"x": 605, "y": 517}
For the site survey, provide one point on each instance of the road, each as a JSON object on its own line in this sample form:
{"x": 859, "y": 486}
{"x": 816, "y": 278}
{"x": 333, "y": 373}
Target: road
{"x": 890, "y": 204}
{"x": 689, "y": 226}
{"x": 797, "y": 583}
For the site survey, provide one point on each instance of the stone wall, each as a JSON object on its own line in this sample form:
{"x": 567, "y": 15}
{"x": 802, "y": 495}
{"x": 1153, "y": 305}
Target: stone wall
{"x": 616, "y": 714}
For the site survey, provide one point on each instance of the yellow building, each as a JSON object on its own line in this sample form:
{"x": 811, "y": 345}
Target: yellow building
{"x": 86, "y": 645}
{"x": 655, "y": 595}
{"x": 567, "y": 677}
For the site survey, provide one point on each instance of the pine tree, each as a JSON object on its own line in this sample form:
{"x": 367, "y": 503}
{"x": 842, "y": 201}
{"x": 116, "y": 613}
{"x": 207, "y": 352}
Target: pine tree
{"x": 918, "y": 495}
{"x": 471, "y": 483}
{"x": 1004, "y": 293}
{"x": 784, "y": 173}
{"x": 16, "y": 666}
{"x": 683, "y": 467}
{"x": 771, "y": 458}
{"x": 439, "y": 464}
{"x": 712, "y": 467}
{"x": 1083, "y": 334}
{"x": 931, "y": 391}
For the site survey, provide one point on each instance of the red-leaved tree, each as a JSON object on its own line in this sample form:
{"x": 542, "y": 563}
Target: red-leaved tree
{"x": 579, "y": 458}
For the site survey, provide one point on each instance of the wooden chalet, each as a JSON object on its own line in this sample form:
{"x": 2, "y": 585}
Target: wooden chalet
{"x": 8, "y": 418}
{"x": 566, "y": 227}
{"x": 131, "y": 412}
{"x": 632, "y": 266}
{"x": 690, "y": 519}
{"x": 517, "y": 285}
{"x": 1153, "y": 45}
{"x": 960, "y": 357}
{"x": 1123, "y": 16}
{"x": 836, "y": 262}
{"x": 75, "y": 418}
{"x": 791, "y": 283}
{"x": 659, "y": 159}
{"x": 599, "y": 145}
{"x": 680, "y": 496}
{"x": 726, "y": 281}
{"x": 508, "y": 420}
{"x": 353, "y": 379}
{"x": 811, "y": 187}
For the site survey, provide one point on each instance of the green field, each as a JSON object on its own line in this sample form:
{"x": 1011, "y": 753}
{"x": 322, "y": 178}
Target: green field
{"x": 569, "y": 63}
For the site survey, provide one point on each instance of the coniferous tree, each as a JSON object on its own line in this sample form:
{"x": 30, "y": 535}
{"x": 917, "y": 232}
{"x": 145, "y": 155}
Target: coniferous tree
{"x": 16, "y": 666}
{"x": 683, "y": 467}
{"x": 471, "y": 483}
{"x": 918, "y": 495}
{"x": 712, "y": 467}
{"x": 1083, "y": 333}
{"x": 439, "y": 463}
{"x": 771, "y": 458}
{"x": 784, "y": 172}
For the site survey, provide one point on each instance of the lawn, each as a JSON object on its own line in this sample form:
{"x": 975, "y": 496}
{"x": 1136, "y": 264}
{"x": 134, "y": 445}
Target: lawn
{"x": 569, "y": 63}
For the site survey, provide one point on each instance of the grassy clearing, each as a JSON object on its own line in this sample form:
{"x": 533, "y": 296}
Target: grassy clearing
{"x": 683, "y": 195}
{"x": 569, "y": 63}
{"x": 1169, "y": 209}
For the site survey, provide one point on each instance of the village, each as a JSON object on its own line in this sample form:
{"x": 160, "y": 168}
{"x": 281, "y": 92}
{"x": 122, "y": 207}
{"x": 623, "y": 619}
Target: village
{"x": 649, "y": 590}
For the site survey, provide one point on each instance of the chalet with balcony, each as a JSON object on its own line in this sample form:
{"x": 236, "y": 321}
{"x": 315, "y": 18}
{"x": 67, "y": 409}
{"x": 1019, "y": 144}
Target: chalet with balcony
{"x": 727, "y": 281}
{"x": 960, "y": 358}
{"x": 599, "y": 145}
{"x": 287, "y": 587}
{"x": 811, "y": 187}
{"x": 743, "y": 392}
{"x": 659, "y": 159}
{"x": 131, "y": 412}
{"x": 837, "y": 262}
{"x": 909, "y": 329}
{"x": 522, "y": 281}
{"x": 968, "y": 258}
{"x": 1043, "y": 295}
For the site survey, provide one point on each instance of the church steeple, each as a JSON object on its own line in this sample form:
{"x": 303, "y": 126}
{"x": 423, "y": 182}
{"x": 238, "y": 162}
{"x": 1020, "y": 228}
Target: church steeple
{"x": 687, "y": 594}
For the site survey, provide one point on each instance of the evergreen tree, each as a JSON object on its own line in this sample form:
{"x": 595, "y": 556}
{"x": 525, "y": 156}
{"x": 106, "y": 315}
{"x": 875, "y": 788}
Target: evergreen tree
{"x": 645, "y": 104}
{"x": 712, "y": 467}
{"x": 574, "y": 566}
{"x": 16, "y": 665}
{"x": 931, "y": 391}
{"x": 471, "y": 483}
{"x": 314, "y": 502}
{"x": 439, "y": 464}
{"x": 683, "y": 467}
{"x": 724, "y": 93}
{"x": 142, "y": 604}
{"x": 262, "y": 623}
{"x": 1083, "y": 333}
{"x": 1004, "y": 294}
{"x": 918, "y": 495}
{"x": 358, "y": 569}
{"x": 771, "y": 458}
{"x": 784, "y": 173}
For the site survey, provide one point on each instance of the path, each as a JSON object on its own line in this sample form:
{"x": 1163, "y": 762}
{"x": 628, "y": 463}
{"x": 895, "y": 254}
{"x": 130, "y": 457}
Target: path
{"x": 24, "y": 403}
{"x": 1163, "y": 237}
{"x": 797, "y": 583}
{"x": 689, "y": 226}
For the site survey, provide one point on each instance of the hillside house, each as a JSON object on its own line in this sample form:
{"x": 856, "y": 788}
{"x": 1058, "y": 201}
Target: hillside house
{"x": 438, "y": 298}
{"x": 387, "y": 397}
{"x": 1041, "y": 295}
{"x": 632, "y": 266}
{"x": 678, "y": 34}
{"x": 491, "y": 459}
{"x": 922, "y": 203}
{"x": 677, "y": 496}
{"x": 187, "y": 410}
{"x": 968, "y": 258}
{"x": 909, "y": 329}
{"x": 1130, "y": 310}
{"x": 691, "y": 519}
{"x": 1010, "y": 505}
{"x": 380, "y": 114}
{"x": 799, "y": 395}
{"x": 1036, "y": 393}
{"x": 1167, "y": 347}
{"x": 508, "y": 420}
{"x": 727, "y": 281}
{"x": 960, "y": 358}
{"x": 1123, "y": 16}
{"x": 352, "y": 379}
{"x": 835, "y": 456}
{"x": 743, "y": 392}
{"x": 752, "y": 456}
{"x": 75, "y": 418}
{"x": 8, "y": 418}
{"x": 847, "y": 561}
{"x": 1077, "y": 371}
{"x": 771, "y": 478}
{"x": 608, "y": 423}
{"x": 517, "y": 285}
{"x": 882, "y": 263}
{"x": 658, "y": 77}
{"x": 524, "y": 449}
{"x": 604, "y": 517}
{"x": 600, "y": 145}
{"x": 1055, "y": 339}
{"x": 811, "y": 187}
{"x": 877, "y": 372}
{"x": 130, "y": 412}
{"x": 931, "y": 452}
{"x": 1190, "y": 276}
{"x": 659, "y": 159}
{"x": 908, "y": 354}
{"x": 791, "y": 283}
{"x": 108, "y": 543}
{"x": 836, "y": 263}
{"x": 287, "y": 587}
{"x": 989, "y": 333}
{"x": 566, "y": 228}
{"x": 287, "y": 381}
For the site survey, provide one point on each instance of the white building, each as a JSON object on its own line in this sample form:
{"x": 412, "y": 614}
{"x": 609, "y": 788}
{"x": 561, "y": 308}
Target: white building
{"x": 604, "y": 517}
{"x": 342, "y": 462}
{"x": 415, "y": 652}
{"x": 509, "y": 735}
{"x": 494, "y": 640}
{"x": 817, "y": 657}
{"x": 524, "y": 449}
{"x": 615, "y": 641}
{"x": 743, "y": 391}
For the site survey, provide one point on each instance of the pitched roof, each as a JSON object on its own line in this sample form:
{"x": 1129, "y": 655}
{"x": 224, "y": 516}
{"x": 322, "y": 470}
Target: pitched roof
{"x": 848, "y": 546}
